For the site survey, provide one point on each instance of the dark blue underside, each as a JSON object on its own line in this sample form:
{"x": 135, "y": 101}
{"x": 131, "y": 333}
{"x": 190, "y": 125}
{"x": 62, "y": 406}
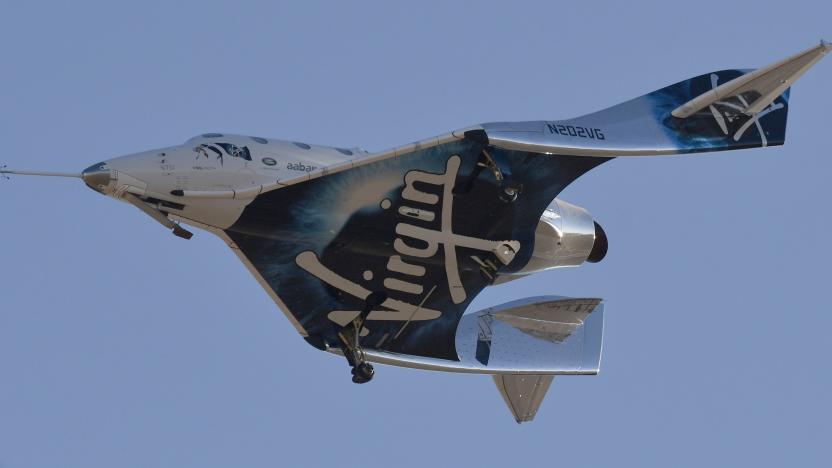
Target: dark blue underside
{"x": 702, "y": 131}
{"x": 277, "y": 226}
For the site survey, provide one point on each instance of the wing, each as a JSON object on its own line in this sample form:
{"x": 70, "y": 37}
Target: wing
{"x": 429, "y": 228}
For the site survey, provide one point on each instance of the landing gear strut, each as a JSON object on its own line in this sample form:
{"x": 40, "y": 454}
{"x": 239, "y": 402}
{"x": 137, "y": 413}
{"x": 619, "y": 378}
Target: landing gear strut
{"x": 362, "y": 371}
{"x": 509, "y": 191}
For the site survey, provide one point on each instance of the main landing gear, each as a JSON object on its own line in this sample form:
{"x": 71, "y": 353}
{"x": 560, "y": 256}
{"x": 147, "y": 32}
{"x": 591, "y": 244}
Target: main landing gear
{"x": 362, "y": 371}
{"x": 509, "y": 191}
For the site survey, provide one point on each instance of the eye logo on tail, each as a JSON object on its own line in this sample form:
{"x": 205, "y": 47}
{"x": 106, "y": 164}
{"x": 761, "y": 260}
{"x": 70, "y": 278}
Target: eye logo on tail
{"x": 735, "y": 111}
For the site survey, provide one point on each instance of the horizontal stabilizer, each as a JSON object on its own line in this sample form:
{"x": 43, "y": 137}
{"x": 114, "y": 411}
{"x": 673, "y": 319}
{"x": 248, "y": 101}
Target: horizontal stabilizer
{"x": 523, "y": 393}
{"x": 759, "y": 88}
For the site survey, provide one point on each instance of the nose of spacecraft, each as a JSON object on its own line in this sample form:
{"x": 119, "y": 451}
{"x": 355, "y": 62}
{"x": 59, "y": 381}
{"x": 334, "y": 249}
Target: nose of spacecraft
{"x": 97, "y": 177}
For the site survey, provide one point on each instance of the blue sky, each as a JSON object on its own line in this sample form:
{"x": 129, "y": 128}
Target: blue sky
{"x": 121, "y": 345}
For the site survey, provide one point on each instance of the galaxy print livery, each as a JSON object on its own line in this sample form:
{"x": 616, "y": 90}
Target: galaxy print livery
{"x": 376, "y": 257}
{"x": 427, "y": 229}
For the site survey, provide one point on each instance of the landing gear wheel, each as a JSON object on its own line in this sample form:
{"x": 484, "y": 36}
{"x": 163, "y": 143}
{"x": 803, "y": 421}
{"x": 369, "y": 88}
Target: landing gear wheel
{"x": 510, "y": 192}
{"x": 362, "y": 373}
{"x": 350, "y": 335}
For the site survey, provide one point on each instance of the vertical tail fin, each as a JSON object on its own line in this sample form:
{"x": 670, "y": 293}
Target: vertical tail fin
{"x": 737, "y": 109}
{"x": 523, "y": 394}
{"x": 722, "y": 123}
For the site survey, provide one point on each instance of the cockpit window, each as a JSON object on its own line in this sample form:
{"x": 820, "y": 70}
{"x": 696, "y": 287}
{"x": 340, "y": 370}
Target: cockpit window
{"x": 262, "y": 141}
{"x": 212, "y": 135}
{"x": 301, "y": 145}
{"x": 344, "y": 151}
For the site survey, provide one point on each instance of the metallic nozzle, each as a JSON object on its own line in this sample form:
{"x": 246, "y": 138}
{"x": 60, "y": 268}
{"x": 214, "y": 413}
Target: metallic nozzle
{"x": 600, "y": 246}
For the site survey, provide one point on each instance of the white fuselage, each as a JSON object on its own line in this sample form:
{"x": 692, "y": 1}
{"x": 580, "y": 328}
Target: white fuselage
{"x": 212, "y": 177}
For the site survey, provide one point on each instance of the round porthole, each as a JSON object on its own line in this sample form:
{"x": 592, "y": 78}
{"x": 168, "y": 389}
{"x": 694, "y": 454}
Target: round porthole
{"x": 343, "y": 151}
{"x": 212, "y": 135}
{"x": 301, "y": 145}
{"x": 262, "y": 141}
{"x": 269, "y": 161}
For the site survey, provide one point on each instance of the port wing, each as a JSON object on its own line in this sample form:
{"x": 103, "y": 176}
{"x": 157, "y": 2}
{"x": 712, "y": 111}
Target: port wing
{"x": 429, "y": 228}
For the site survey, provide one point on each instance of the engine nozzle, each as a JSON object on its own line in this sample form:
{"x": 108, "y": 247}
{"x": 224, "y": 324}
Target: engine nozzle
{"x": 600, "y": 246}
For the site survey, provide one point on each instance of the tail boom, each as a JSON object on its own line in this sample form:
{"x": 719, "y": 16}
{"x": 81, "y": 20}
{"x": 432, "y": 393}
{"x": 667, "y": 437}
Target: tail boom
{"x": 722, "y": 110}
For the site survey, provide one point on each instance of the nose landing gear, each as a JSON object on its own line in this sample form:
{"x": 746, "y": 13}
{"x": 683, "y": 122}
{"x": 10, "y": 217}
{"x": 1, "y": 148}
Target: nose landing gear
{"x": 156, "y": 214}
